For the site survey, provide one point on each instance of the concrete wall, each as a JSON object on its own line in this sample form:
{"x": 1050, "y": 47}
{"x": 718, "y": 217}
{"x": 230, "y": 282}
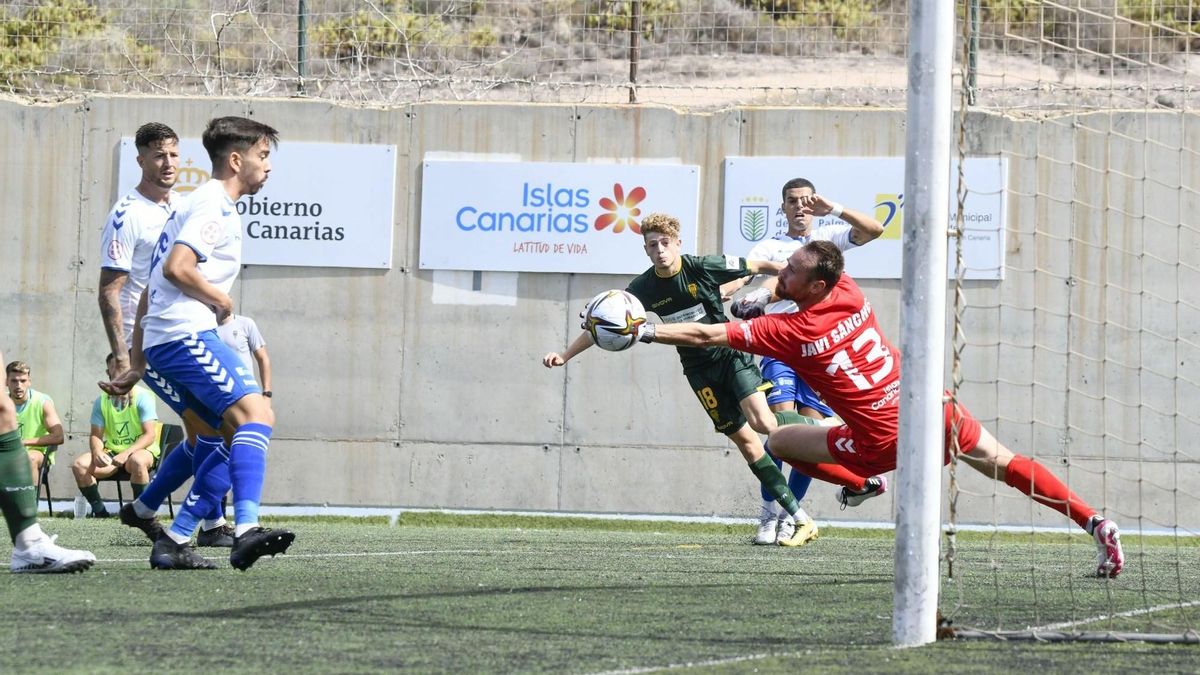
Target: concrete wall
{"x": 400, "y": 388}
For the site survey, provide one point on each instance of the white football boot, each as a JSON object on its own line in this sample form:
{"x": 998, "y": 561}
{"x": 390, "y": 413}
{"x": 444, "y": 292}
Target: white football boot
{"x": 768, "y": 525}
{"x": 47, "y": 557}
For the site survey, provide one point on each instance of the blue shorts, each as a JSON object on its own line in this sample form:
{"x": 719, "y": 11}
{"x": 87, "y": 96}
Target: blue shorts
{"x": 786, "y": 387}
{"x": 199, "y": 373}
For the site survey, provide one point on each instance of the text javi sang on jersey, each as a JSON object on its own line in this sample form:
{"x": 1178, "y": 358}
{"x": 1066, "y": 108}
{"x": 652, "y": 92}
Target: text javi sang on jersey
{"x": 844, "y": 329}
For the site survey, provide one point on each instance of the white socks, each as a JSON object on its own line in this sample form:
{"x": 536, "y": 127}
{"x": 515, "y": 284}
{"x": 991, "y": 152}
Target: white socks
{"x": 29, "y": 536}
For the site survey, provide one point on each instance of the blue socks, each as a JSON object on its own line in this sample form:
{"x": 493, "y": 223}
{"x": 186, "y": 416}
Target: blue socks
{"x": 243, "y": 468}
{"x": 247, "y": 466}
{"x": 211, "y": 484}
{"x": 798, "y": 483}
{"x": 172, "y": 473}
{"x": 205, "y": 446}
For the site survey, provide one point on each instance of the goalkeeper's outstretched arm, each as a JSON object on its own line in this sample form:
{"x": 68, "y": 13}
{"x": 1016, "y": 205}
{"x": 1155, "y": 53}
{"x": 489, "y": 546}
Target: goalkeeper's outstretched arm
{"x": 685, "y": 334}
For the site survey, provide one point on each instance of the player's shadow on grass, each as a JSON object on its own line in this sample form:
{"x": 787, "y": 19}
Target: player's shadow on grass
{"x": 324, "y": 610}
{"x": 359, "y": 600}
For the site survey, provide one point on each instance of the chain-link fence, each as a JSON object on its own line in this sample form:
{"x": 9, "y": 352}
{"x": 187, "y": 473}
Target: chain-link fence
{"x": 691, "y": 53}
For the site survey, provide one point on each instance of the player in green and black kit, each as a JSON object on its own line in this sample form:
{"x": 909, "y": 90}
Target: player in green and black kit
{"x": 34, "y": 552}
{"x": 683, "y": 288}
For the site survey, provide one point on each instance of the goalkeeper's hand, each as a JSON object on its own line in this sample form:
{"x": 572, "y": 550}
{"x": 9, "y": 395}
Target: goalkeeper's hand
{"x": 751, "y": 304}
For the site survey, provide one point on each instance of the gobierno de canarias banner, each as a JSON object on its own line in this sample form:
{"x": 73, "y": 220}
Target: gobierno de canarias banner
{"x": 323, "y": 205}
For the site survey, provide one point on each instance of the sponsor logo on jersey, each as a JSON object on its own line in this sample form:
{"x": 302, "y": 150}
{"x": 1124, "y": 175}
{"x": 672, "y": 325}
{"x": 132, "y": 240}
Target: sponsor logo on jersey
{"x": 746, "y": 334}
{"x": 693, "y": 313}
{"x": 116, "y": 250}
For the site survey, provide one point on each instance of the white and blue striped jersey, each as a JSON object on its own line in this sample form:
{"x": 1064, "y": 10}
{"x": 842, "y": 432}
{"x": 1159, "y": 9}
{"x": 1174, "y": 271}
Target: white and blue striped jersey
{"x": 127, "y": 244}
{"x": 208, "y": 223}
{"x": 780, "y": 248}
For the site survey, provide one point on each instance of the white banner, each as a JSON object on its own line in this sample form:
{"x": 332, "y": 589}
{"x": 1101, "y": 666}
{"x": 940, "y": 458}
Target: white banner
{"x": 324, "y": 205}
{"x": 547, "y": 217}
{"x": 874, "y": 185}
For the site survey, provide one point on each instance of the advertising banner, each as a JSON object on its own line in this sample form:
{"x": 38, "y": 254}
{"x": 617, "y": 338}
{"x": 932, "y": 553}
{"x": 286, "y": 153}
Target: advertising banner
{"x": 549, "y": 217}
{"x": 324, "y": 204}
{"x": 874, "y": 185}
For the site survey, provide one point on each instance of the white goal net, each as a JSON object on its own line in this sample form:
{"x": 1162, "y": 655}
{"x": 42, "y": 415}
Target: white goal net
{"x": 1087, "y": 355}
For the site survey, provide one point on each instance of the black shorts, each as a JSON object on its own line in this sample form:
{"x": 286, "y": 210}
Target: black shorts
{"x": 722, "y": 384}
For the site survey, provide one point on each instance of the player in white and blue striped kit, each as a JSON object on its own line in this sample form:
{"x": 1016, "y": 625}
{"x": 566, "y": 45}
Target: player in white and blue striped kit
{"x": 127, "y": 243}
{"x": 176, "y": 347}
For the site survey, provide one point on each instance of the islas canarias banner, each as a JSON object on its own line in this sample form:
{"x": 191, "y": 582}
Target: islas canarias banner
{"x": 547, "y": 216}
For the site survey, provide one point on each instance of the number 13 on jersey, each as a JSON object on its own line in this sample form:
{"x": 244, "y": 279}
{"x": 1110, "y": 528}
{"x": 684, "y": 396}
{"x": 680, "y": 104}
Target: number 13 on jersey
{"x": 878, "y": 352}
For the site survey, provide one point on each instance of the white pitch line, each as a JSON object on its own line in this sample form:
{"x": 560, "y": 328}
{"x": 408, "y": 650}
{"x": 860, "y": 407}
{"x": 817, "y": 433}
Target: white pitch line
{"x": 1119, "y": 615}
{"x": 699, "y": 664}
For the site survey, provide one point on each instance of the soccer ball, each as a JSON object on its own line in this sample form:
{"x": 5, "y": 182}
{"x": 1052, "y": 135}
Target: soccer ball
{"x": 612, "y": 319}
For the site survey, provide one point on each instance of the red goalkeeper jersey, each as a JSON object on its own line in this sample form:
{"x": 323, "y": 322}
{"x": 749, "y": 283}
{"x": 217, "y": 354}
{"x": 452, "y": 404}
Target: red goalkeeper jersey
{"x": 837, "y": 348}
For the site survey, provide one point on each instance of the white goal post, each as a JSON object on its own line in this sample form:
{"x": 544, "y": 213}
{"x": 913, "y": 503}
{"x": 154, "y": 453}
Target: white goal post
{"x": 922, "y": 320}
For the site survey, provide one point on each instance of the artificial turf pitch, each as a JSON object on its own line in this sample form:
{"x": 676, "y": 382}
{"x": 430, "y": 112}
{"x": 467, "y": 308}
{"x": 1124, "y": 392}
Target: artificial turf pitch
{"x": 442, "y": 593}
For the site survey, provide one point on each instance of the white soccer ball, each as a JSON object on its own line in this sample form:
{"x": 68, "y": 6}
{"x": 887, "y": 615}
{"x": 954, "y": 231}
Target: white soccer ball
{"x": 612, "y": 319}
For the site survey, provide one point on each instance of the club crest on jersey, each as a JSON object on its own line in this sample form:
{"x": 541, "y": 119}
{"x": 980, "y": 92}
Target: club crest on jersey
{"x": 210, "y": 233}
{"x": 693, "y": 290}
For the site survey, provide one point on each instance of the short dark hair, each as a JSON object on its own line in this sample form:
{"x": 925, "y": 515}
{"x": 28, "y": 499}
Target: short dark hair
{"x": 151, "y": 133}
{"x": 830, "y": 262}
{"x": 797, "y": 183}
{"x": 234, "y": 134}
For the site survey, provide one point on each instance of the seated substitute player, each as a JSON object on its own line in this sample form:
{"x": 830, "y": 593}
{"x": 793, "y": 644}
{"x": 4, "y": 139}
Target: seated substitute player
{"x": 124, "y": 436}
{"x": 175, "y": 344}
{"x": 36, "y": 415}
{"x": 847, "y": 229}
{"x": 33, "y": 551}
{"x": 834, "y": 342}
{"x": 681, "y": 287}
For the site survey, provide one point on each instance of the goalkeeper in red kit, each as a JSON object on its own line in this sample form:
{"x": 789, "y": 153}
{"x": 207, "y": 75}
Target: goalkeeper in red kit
{"x": 833, "y": 341}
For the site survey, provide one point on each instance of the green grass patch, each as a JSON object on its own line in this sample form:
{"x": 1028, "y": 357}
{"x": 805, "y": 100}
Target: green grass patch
{"x": 500, "y": 593}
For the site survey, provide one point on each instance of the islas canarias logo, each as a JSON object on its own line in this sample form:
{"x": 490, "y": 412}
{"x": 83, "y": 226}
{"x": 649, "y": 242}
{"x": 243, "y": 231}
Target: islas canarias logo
{"x": 557, "y": 209}
{"x": 621, "y": 210}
